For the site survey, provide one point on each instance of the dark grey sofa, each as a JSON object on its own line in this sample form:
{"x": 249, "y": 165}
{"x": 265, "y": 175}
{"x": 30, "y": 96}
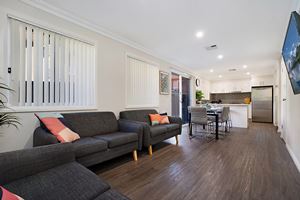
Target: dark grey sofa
{"x": 51, "y": 173}
{"x": 153, "y": 134}
{"x": 103, "y": 137}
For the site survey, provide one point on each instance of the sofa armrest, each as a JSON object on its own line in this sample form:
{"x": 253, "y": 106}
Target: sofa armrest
{"x": 43, "y": 137}
{"x": 146, "y": 131}
{"x": 132, "y": 126}
{"x": 18, "y": 164}
{"x": 176, "y": 120}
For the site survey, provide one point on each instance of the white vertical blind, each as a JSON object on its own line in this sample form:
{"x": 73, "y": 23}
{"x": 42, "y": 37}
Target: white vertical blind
{"x": 28, "y": 66}
{"x": 35, "y": 69}
{"x": 22, "y": 49}
{"x": 39, "y": 94}
{"x": 142, "y": 84}
{"x": 49, "y": 69}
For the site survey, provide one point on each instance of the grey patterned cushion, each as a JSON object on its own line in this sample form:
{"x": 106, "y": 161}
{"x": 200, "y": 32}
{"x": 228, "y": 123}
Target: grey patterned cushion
{"x": 89, "y": 145}
{"x": 171, "y": 127}
{"x": 66, "y": 182}
{"x": 118, "y": 138}
{"x": 158, "y": 130}
{"x": 28, "y": 162}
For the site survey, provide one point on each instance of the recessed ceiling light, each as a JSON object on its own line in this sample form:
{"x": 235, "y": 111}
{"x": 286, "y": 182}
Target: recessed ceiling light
{"x": 248, "y": 73}
{"x": 199, "y": 34}
{"x": 220, "y": 56}
{"x": 245, "y": 66}
{"x": 220, "y": 76}
{"x": 211, "y": 70}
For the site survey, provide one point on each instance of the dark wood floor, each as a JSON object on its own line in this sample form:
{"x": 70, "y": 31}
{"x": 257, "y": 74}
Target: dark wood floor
{"x": 247, "y": 164}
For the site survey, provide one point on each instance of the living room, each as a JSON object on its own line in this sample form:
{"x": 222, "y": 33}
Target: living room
{"x": 129, "y": 69}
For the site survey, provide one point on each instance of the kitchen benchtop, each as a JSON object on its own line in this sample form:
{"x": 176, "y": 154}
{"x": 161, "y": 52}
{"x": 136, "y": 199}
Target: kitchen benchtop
{"x": 230, "y": 104}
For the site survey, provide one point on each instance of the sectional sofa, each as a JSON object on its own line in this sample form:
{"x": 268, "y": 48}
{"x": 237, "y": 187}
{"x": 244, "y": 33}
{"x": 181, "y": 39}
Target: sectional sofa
{"x": 153, "y": 134}
{"x": 103, "y": 137}
{"x": 51, "y": 173}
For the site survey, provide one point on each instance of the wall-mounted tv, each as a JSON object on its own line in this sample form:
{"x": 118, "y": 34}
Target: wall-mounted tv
{"x": 291, "y": 51}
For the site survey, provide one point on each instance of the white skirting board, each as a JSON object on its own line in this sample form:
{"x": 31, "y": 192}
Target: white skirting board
{"x": 296, "y": 161}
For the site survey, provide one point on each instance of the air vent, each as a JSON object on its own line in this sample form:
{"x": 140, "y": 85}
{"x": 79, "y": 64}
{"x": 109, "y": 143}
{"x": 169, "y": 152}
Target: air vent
{"x": 232, "y": 70}
{"x": 211, "y": 47}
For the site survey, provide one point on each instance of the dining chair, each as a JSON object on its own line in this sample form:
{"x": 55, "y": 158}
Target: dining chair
{"x": 199, "y": 117}
{"x": 224, "y": 118}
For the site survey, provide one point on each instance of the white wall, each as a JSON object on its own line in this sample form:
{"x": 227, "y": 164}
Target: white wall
{"x": 290, "y": 111}
{"x": 290, "y": 125}
{"x": 110, "y": 69}
{"x": 205, "y": 87}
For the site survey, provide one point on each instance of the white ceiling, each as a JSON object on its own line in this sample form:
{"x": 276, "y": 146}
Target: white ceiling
{"x": 246, "y": 31}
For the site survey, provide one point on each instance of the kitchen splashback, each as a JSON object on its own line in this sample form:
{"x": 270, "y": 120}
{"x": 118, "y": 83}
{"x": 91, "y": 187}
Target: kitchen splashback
{"x": 230, "y": 98}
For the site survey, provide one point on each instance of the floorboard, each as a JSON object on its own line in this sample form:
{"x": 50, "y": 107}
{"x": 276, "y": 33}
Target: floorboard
{"x": 247, "y": 164}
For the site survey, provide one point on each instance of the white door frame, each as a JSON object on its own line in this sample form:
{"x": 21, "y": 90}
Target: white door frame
{"x": 181, "y": 74}
{"x": 283, "y": 101}
{"x": 180, "y": 95}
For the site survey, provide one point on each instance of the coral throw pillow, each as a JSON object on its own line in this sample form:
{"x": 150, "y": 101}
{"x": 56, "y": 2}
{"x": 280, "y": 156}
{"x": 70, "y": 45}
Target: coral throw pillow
{"x": 56, "y": 127}
{"x": 7, "y": 195}
{"x": 164, "y": 119}
{"x": 158, "y": 119}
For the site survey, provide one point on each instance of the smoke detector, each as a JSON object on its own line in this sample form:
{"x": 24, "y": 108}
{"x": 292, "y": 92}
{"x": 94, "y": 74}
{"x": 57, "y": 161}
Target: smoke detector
{"x": 211, "y": 47}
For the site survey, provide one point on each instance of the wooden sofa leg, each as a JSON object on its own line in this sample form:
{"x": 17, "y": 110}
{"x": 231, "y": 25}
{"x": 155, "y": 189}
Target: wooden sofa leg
{"x": 135, "y": 158}
{"x": 177, "y": 141}
{"x": 150, "y": 150}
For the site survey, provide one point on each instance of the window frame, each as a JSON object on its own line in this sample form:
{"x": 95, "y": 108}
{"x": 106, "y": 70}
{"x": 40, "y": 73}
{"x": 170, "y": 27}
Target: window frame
{"x": 142, "y": 59}
{"x": 7, "y": 64}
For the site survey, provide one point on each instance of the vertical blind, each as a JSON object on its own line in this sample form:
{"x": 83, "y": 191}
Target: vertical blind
{"x": 49, "y": 69}
{"x": 142, "y": 84}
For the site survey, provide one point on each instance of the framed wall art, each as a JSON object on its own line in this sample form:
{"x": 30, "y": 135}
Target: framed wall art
{"x": 164, "y": 83}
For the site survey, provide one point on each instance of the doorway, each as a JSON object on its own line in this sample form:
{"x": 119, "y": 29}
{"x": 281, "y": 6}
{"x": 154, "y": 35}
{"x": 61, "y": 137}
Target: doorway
{"x": 185, "y": 100}
{"x": 175, "y": 95}
{"x": 181, "y": 93}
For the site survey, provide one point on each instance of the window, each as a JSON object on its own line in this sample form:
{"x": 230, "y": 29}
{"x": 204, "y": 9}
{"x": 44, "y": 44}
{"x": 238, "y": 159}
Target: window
{"x": 49, "y": 69}
{"x": 142, "y": 83}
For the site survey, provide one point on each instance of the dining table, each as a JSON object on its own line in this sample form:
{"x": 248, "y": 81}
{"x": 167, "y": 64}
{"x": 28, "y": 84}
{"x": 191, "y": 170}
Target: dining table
{"x": 211, "y": 111}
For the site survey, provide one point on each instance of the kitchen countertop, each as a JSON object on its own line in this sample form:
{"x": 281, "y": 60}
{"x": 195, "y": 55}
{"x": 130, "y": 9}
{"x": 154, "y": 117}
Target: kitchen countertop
{"x": 231, "y": 104}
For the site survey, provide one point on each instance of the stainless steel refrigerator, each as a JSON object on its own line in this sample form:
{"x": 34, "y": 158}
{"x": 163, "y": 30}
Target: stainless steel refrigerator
{"x": 262, "y": 104}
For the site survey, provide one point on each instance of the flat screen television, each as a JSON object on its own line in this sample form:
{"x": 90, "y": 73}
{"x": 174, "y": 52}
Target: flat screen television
{"x": 291, "y": 51}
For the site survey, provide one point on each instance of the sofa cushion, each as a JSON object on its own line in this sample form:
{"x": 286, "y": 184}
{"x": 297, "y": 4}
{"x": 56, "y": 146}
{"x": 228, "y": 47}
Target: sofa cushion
{"x": 89, "y": 145}
{"x": 138, "y": 115}
{"x": 156, "y": 119}
{"x": 18, "y": 164}
{"x": 56, "y": 127}
{"x": 89, "y": 124}
{"x": 111, "y": 195}
{"x": 171, "y": 127}
{"x": 158, "y": 130}
{"x": 68, "y": 182}
{"x": 118, "y": 138}
{"x": 164, "y": 119}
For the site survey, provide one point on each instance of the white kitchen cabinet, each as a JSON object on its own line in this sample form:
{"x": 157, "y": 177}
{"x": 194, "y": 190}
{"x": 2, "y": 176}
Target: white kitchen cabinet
{"x": 230, "y": 86}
